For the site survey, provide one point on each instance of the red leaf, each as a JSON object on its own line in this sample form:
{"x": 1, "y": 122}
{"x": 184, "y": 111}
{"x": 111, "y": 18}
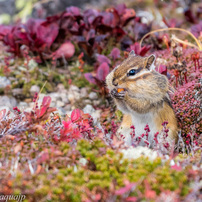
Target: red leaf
{"x": 67, "y": 124}
{"x": 90, "y": 15}
{"x": 125, "y": 189}
{"x": 44, "y": 106}
{"x": 189, "y": 16}
{"x": 131, "y": 199}
{"x": 115, "y": 53}
{"x": 162, "y": 69}
{"x": 102, "y": 71}
{"x": 138, "y": 50}
{"x": 128, "y": 15}
{"x": 90, "y": 35}
{"x": 144, "y": 50}
{"x": 90, "y": 78}
{"x": 176, "y": 167}
{"x": 32, "y": 25}
{"x": 66, "y": 49}
{"x": 150, "y": 194}
{"x": 75, "y": 115}
{"x": 120, "y": 8}
{"x": 43, "y": 156}
{"x": 46, "y": 101}
{"x": 73, "y": 10}
{"x": 103, "y": 58}
{"x": 4, "y": 30}
{"x": 48, "y": 33}
{"x": 196, "y": 29}
{"x": 67, "y": 128}
{"x": 171, "y": 22}
{"x": 110, "y": 18}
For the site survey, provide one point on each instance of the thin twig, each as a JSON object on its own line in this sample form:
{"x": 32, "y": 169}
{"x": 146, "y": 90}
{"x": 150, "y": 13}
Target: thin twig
{"x": 199, "y": 47}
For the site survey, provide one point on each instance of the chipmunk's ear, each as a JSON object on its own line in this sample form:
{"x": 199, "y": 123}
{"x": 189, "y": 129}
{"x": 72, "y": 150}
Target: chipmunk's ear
{"x": 132, "y": 53}
{"x": 150, "y": 62}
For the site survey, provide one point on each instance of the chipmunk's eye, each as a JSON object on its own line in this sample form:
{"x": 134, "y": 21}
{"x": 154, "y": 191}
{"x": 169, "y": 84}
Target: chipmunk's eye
{"x": 132, "y": 72}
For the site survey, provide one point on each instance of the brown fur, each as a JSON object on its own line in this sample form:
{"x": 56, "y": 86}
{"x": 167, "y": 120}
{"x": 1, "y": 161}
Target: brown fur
{"x": 166, "y": 114}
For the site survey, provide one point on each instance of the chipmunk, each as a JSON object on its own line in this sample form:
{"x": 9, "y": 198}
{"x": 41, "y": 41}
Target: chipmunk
{"x": 141, "y": 94}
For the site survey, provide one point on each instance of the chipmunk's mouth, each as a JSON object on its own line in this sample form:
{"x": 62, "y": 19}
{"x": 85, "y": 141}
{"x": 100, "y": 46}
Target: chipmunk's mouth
{"x": 118, "y": 93}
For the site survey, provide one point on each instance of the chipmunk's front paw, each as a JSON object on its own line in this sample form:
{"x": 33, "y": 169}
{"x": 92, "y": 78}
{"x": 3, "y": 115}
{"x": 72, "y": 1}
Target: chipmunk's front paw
{"x": 116, "y": 93}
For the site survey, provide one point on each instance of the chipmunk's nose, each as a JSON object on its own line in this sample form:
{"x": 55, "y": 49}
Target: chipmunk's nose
{"x": 114, "y": 82}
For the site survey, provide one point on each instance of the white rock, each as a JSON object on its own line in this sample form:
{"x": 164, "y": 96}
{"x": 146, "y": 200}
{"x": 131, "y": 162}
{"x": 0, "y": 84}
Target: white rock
{"x": 53, "y": 104}
{"x": 136, "y": 152}
{"x": 73, "y": 96}
{"x": 73, "y": 88}
{"x": 84, "y": 92}
{"x": 96, "y": 116}
{"x": 17, "y": 92}
{"x": 96, "y": 102}
{"x": 61, "y": 111}
{"x": 87, "y": 102}
{"x": 34, "y": 89}
{"x": 88, "y": 109}
{"x": 64, "y": 98}
{"x": 31, "y": 104}
{"x": 23, "y": 104}
{"x": 54, "y": 96}
{"x": 8, "y": 101}
{"x": 60, "y": 103}
{"x": 4, "y": 82}
{"x": 68, "y": 107}
{"x": 61, "y": 88}
{"x": 93, "y": 96}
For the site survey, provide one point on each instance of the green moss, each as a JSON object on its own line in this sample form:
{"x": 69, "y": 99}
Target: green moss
{"x": 105, "y": 166}
{"x": 81, "y": 82}
{"x": 43, "y": 190}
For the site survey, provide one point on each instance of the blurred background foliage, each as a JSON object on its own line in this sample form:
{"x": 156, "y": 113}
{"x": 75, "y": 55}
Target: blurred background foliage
{"x": 12, "y": 11}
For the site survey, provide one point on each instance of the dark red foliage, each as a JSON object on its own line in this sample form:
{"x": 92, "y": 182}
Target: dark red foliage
{"x": 75, "y": 115}
{"x": 139, "y": 50}
{"x": 115, "y": 53}
{"x": 102, "y": 71}
{"x": 171, "y": 22}
{"x": 90, "y": 78}
{"x": 44, "y": 109}
{"x": 66, "y": 50}
{"x": 129, "y": 187}
{"x": 52, "y": 37}
{"x": 162, "y": 69}
{"x": 77, "y": 127}
{"x": 103, "y": 58}
{"x": 197, "y": 29}
{"x": 40, "y": 121}
{"x": 189, "y": 16}
{"x": 140, "y": 29}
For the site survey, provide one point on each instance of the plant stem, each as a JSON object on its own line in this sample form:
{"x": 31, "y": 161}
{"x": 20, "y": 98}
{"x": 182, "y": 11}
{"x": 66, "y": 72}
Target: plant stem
{"x": 176, "y": 29}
